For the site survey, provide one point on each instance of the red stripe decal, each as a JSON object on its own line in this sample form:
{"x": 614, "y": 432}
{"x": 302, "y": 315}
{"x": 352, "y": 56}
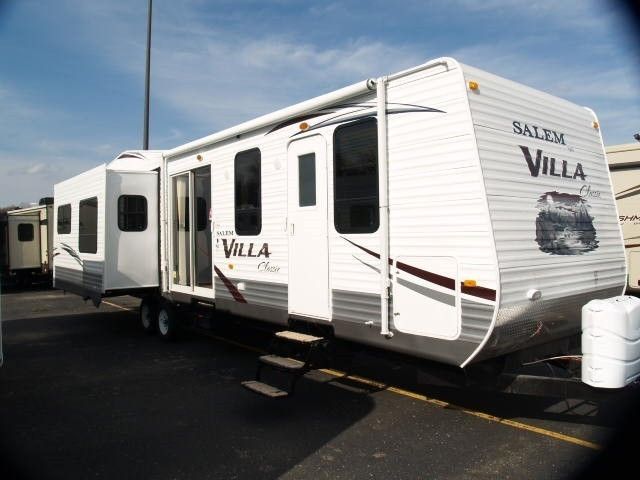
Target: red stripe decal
{"x": 481, "y": 292}
{"x": 445, "y": 282}
{"x": 237, "y": 296}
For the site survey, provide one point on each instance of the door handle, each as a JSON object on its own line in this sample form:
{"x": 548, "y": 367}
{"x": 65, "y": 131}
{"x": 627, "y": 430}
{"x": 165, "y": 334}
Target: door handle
{"x": 293, "y": 229}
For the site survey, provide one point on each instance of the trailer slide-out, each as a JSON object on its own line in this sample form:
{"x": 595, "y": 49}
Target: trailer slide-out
{"x": 441, "y": 212}
{"x": 106, "y": 228}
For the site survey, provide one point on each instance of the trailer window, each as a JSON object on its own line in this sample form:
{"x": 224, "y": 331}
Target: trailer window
{"x": 88, "y": 226}
{"x": 64, "y": 219}
{"x": 307, "y": 180}
{"x": 355, "y": 170}
{"x": 132, "y": 213}
{"x": 25, "y": 232}
{"x": 202, "y": 213}
{"x": 248, "y": 202}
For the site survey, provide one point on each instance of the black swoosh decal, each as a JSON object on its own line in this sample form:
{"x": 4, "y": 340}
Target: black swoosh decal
{"x": 297, "y": 119}
{"x": 70, "y": 251}
{"x": 235, "y": 293}
{"x": 369, "y": 107}
{"x": 364, "y": 113}
{"x": 129, "y": 155}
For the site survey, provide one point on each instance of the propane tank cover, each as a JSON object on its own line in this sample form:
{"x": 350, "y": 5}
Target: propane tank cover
{"x": 611, "y": 342}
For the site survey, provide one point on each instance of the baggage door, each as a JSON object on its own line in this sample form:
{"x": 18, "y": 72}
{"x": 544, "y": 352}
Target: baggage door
{"x": 24, "y": 241}
{"x": 307, "y": 229}
{"x": 426, "y": 296}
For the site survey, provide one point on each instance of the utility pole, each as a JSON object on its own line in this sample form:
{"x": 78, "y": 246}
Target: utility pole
{"x": 145, "y": 133}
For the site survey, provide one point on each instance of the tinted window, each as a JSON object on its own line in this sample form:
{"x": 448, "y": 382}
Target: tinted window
{"x": 88, "y": 226}
{"x": 248, "y": 202}
{"x": 355, "y": 167}
{"x": 203, "y": 251}
{"x": 186, "y": 216}
{"x": 64, "y": 219}
{"x": 202, "y": 213}
{"x": 307, "y": 180}
{"x": 132, "y": 213}
{"x": 25, "y": 232}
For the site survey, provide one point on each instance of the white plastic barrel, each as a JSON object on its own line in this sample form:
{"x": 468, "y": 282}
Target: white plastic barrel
{"x": 611, "y": 342}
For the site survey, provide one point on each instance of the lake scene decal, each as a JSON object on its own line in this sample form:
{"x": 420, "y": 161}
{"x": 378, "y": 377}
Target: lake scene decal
{"x": 564, "y": 225}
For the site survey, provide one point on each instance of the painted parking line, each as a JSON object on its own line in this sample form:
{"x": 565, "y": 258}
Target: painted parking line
{"x": 133, "y": 310}
{"x": 414, "y": 395}
{"x": 231, "y": 342}
{"x": 475, "y": 413}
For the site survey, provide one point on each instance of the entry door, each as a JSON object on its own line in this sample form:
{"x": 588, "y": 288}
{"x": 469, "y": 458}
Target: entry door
{"x": 191, "y": 245}
{"x": 307, "y": 214}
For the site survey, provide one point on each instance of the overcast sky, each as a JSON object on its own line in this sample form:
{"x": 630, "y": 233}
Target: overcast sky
{"x": 72, "y": 71}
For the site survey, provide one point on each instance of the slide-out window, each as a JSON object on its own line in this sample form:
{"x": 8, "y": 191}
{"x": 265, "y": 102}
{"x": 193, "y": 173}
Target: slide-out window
{"x": 132, "y": 213}
{"x": 25, "y": 232}
{"x": 248, "y": 195}
{"x": 355, "y": 168}
{"x": 64, "y": 219}
{"x": 88, "y": 225}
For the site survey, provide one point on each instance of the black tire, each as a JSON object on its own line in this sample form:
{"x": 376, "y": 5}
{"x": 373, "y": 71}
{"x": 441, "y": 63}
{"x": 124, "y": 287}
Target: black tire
{"x": 167, "y": 322}
{"x": 148, "y": 314}
{"x": 22, "y": 280}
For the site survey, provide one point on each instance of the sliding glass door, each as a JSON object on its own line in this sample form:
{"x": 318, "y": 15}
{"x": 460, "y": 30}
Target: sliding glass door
{"x": 203, "y": 261}
{"x": 181, "y": 242}
{"x": 191, "y": 248}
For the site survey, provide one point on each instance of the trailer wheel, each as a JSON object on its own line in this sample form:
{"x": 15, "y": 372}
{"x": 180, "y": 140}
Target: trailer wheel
{"x": 148, "y": 315}
{"x": 23, "y": 280}
{"x": 167, "y": 322}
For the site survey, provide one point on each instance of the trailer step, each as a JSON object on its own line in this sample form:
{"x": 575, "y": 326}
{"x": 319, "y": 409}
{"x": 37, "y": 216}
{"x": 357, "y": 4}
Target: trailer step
{"x": 264, "y": 389}
{"x": 298, "y": 337}
{"x": 292, "y": 354}
{"x": 285, "y": 363}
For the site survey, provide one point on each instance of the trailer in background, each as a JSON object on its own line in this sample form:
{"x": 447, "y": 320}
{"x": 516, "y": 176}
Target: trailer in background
{"x": 4, "y": 249}
{"x": 624, "y": 164}
{"x": 29, "y": 235}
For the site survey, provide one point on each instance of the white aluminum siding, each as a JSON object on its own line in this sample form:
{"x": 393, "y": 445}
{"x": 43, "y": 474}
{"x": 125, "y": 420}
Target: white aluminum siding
{"x": 87, "y": 269}
{"x": 517, "y": 197}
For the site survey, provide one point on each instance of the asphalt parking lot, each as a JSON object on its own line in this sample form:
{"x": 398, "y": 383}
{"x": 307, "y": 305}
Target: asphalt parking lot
{"x": 85, "y": 393}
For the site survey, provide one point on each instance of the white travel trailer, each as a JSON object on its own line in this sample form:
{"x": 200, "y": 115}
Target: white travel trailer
{"x": 624, "y": 163}
{"x": 106, "y": 236}
{"x": 29, "y": 240}
{"x": 442, "y": 212}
